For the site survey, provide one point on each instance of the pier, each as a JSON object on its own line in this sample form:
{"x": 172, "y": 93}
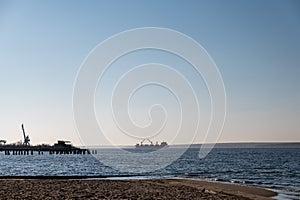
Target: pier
{"x": 61, "y": 147}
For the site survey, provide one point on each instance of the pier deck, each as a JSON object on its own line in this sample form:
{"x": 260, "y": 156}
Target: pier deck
{"x": 60, "y": 148}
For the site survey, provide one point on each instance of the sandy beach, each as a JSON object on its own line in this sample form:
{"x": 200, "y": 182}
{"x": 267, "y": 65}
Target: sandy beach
{"x": 126, "y": 189}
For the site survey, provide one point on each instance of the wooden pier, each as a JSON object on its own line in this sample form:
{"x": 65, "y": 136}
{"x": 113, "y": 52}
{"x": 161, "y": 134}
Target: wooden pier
{"x": 59, "y": 148}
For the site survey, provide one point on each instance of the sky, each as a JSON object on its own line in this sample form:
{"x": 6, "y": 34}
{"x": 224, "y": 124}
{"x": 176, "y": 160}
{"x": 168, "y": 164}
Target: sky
{"x": 255, "y": 45}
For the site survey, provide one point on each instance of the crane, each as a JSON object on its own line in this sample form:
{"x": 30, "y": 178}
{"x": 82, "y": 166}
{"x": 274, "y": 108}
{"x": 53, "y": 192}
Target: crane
{"x": 151, "y": 143}
{"x": 26, "y": 137}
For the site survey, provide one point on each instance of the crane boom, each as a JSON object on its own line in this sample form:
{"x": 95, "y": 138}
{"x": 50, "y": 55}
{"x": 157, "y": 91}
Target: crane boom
{"x": 26, "y": 137}
{"x": 23, "y": 131}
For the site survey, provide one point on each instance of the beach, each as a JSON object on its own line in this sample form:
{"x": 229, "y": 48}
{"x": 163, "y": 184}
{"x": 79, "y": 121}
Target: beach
{"x": 126, "y": 189}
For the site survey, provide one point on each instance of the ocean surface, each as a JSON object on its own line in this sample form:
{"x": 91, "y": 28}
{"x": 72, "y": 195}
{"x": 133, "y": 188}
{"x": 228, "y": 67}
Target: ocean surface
{"x": 274, "y": 168}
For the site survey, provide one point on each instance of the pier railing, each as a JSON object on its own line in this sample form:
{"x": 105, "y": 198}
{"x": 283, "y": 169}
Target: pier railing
{"x": 40, "y": 149}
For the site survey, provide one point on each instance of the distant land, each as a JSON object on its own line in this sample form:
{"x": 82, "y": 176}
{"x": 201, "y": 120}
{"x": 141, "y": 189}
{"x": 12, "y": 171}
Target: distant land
{"x": 223, "y": 145}
{"x": 253, "y": 145}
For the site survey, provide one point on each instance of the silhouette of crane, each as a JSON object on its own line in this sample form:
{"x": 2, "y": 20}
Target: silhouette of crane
{"x": 26, "y": 137}
{"x": 151, "y": 143}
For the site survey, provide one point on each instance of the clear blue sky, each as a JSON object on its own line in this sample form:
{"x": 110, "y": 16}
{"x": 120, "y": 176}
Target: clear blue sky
{"x": 255, "y": 44}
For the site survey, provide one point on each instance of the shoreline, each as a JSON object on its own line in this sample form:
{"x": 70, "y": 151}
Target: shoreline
{"x": 168, "y": 188}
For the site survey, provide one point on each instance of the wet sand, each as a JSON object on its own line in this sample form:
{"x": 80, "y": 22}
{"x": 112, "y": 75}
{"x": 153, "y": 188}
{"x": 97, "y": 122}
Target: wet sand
{"x": 126, "y": 189}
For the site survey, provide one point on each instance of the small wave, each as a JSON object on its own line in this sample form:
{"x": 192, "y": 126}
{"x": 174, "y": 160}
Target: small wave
{"x": 238, "y": 181}
{"x": 198, "y": 177}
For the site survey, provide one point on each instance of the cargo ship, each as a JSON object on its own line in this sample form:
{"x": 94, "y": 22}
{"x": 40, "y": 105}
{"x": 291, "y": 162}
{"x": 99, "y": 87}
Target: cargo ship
{"x": 151, "y": 145}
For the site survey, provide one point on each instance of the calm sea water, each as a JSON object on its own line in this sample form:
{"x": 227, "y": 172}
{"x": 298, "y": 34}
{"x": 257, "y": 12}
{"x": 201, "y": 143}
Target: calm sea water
{"x": 274, "y": 168}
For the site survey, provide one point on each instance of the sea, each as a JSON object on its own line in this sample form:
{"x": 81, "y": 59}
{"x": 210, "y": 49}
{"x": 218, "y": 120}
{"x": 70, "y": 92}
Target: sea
{"x": 272, "y": 166}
